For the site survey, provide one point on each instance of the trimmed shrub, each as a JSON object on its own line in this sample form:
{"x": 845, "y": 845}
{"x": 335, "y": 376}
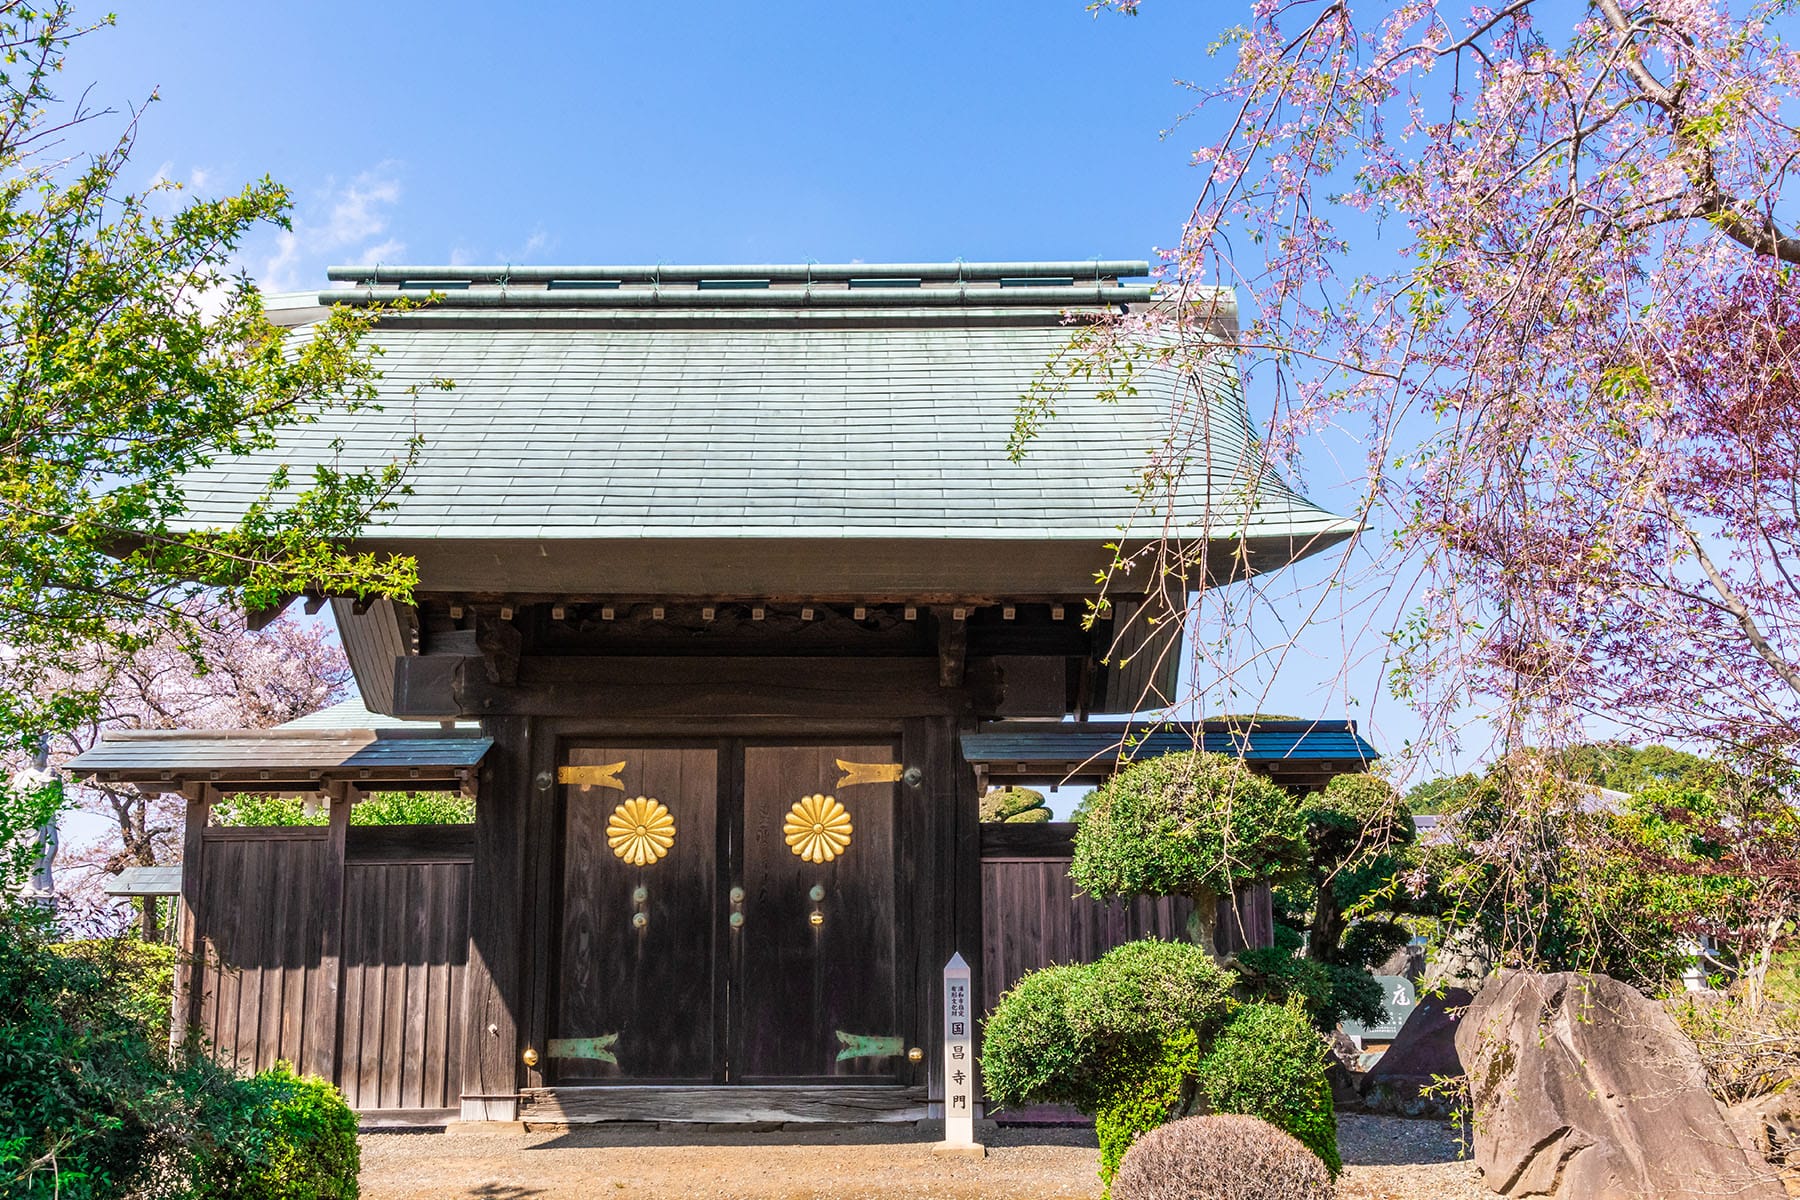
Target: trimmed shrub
{"x": 1015, "y": 805}
{"x": 1269, "y": 1062}
{"x": 1118, "y": 1038}
{"x": 300, "y": 1143}
{"x": 1221, "y": 1158}
{"x": 1194, "y": 824}
{"x": 1065, "y": 1035}
{"x": 1150, "y": 989}
{"x": 1030, "y": 1052}
{"x": 1330, "y": 991}
{"x": 1139, "y": 1098}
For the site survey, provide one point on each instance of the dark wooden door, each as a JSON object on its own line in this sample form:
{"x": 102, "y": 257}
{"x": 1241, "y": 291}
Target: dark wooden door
{"x": 744, "y": 935}
{"x": 640, "y": 918}
{"x": 814, "y": 960}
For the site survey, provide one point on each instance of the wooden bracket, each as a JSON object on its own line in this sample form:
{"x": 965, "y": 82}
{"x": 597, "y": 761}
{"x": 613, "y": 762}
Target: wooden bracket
{"x": 501, "y": 644}
{"x": 953, "y": 646}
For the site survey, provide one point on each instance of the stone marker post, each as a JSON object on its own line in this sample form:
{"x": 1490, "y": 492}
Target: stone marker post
{"x": 959, "y": 1062}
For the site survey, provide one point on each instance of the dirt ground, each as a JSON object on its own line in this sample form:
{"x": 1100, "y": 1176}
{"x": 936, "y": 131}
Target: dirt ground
{"x": 1385, "y": 1159}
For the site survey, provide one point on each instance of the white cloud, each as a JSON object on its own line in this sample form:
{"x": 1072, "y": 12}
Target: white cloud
{"x": 333, "y": 220}
{"x": 382, "y": 252}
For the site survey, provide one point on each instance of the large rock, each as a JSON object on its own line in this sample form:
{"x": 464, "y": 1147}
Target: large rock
{"x": 1582, "y": 1088}
{"x": 1403, "y": 1080}
{"x": 1769, "y": 1127}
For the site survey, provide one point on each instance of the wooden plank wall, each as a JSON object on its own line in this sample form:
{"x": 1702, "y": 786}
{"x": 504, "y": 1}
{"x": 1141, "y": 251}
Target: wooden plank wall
{"x": 406, "y": 953}
{"x": 1032, "y": 918}
{"x": 403, "y": 959}
{"x": 259, "y": 903}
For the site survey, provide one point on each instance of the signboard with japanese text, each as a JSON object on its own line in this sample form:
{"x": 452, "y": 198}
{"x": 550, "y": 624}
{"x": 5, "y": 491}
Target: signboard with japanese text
{"x": 959, "y": 1055}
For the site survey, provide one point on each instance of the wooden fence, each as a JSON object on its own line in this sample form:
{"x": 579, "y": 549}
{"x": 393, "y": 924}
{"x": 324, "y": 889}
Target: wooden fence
{"x": 263, "y": 977}
{"x": 1031, "y": 916}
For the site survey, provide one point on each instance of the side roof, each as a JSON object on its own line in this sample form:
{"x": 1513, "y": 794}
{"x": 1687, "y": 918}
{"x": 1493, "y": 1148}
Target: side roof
{"x": 604, "y": 406}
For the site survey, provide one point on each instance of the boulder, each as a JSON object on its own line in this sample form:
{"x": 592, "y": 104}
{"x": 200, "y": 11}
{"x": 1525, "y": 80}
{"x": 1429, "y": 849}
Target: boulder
{"x": 1401, "y": 1080}
{"x": 1581, "y": 1088}
{"x": 1769, "y": 1127}
{"x": 1343, "y": 1069}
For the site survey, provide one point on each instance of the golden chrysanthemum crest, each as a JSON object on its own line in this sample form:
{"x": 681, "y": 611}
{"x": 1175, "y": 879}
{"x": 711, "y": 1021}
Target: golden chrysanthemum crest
{"x": 818, "y": 828}
{"x": 640, "y": 831}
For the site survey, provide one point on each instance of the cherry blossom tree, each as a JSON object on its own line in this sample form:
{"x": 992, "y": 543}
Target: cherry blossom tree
{"x": 1532, "y": 265}
{"x": 209, "y": 673}
{"x": 1538, "y": 256}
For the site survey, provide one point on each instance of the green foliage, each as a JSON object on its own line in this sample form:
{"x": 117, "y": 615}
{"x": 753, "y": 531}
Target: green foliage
{"x": 301, "y": 1139}
{"x": 93, "y": 1106}
{"x": 1149, "y": 991}
{"x": 1030, "y": 1051}
{"x": 1118, "y": 1038}
{"x": 1434, "y": 797}
{"x": 90, "y": 1105}
{"x": 1056, "y": 1035}
{"x": 1191, "y": 824}
{"x": 132, "y": 357}
{"x": 1140, "y": 1097}
{"x": 381, "y": 808}
{"x": 1017, "y": 805}
{"x": 1622, "y": 767}
{"x": 1269, "y": 1062}
{"x": 1612, "y": 888}
{"x": 1360, "y": 836}
{"x": 142, "y": 976}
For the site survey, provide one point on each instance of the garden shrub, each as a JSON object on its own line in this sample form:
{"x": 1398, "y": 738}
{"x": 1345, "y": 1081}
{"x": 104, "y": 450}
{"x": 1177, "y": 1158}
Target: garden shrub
{"x": 90, "y": 1104}
{"x": 1269, "y": 1062}
{"x": 1030, "y": 1052}
{"x": 1138, "y": 1097}
{"x": 1347, "y": 899}
{"x": 1118, "y": 1038}
{"x": 93, "y": 1106}
{"x": 1329, "y": 991}
{"x": 299, "y": 1144}
{"x": 1193, "y": 824}
{"x": 143, "y": 974}
{"x": 1015, "y": 806}
{"x": 1226, "y": 1157}
{"x": 1150, "y": 989}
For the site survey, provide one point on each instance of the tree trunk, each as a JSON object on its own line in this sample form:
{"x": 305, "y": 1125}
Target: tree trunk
{"x": 1206, "y": 922}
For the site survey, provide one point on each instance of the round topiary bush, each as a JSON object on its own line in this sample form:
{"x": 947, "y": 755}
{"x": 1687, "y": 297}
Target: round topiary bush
{"x": 1194, "y": 824}
{"x": 300, "y": 1143}
{"x": 1221, "y": 1158}
{"x": 1030, "y": 1050}
{"x": 1118, "y": 1038}
{"x": 1269, "y": 1062}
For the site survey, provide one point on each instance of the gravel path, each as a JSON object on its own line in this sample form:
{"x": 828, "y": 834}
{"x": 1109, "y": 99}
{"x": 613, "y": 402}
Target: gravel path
{"x": 1386, "y": 1159}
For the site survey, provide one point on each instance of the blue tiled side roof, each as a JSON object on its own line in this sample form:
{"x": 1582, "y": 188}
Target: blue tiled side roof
{"x": 1080, "y": 742}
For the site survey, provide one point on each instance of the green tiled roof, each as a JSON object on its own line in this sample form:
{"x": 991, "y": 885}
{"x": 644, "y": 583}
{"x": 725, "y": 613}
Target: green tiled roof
{"x": 657, "y": 409}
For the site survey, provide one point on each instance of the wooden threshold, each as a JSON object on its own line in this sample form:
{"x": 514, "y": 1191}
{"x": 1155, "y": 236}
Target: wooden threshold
{"x": 722, "y": 1105}
{"x": 406, "y": 1118}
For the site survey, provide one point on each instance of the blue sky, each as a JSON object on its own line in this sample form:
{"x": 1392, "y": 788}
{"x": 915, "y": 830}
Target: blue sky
{"x": 707, "y": 131}
{"x": 609, "y": 132}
